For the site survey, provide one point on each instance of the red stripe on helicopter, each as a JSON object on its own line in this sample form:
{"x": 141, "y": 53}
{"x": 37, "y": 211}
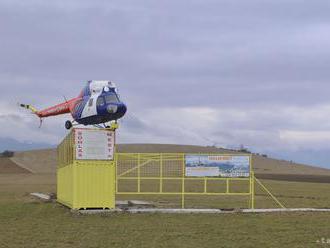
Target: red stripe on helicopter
{"x": 62, "y": 108}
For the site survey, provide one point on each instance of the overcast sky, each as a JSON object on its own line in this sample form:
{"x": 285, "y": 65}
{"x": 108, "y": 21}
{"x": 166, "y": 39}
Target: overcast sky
{"x": 206, "y": 72}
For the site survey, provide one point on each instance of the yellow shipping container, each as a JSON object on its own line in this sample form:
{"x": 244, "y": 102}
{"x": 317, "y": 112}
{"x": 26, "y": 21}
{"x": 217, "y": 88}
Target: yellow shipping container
{"x": 84, "y": 183}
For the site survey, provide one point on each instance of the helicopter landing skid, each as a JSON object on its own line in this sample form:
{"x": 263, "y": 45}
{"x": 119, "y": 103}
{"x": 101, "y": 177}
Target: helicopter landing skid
{"x": 113, "y": 126}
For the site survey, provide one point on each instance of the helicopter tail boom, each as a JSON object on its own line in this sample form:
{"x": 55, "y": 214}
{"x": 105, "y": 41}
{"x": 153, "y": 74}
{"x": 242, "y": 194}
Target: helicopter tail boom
{"x": 62, "y": 108}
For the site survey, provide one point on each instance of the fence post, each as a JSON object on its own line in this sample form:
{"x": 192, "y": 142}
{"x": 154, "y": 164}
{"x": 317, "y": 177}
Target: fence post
{"x": 182, "y": 189}
{"x": 116, "y": 170}
{"x": 139, "y": 174}
{"x": 161, "y": 173}
{"x": 252, "y": 190}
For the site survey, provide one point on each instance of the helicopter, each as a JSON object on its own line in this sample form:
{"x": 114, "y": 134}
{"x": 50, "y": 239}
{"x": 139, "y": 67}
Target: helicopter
{"x": 97, "y": 104}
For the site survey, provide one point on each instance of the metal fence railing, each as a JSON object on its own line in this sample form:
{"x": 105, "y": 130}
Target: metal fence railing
{"x": 164, "y": 174}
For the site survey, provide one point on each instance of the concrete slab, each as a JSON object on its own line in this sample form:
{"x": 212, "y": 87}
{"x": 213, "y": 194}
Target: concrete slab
{"x": 98, "y": 211}
{"x": 138, "y": 203}
{"x": 196, "y": 211}
{"x": 122, "y": 204}
{"x": 285, "y": 210}
{"x": 42, "y": 196}
{"x": 176, "y": 211}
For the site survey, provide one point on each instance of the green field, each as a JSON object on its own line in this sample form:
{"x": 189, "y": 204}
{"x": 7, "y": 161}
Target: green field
{"x": 25, "y": 222}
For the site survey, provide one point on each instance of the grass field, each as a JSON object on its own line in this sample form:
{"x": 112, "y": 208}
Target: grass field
{"x": 25, "y": 222}
{"x": 49, "y": 225}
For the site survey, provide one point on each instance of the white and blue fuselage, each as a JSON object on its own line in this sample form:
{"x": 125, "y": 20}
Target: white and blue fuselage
{"x": 98, "y": 103}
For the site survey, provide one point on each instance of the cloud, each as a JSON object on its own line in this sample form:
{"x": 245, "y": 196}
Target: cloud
{"x": 258, "y": 128}
{"x": 196, "y": 72}
{"x": 313, "y": 140}
{"x": 21, "y": 125}
{"x": 11, "y": 117}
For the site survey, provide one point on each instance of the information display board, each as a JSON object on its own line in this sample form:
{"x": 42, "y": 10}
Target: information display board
{"x": 217, "y": 165}
{"x": 94, "y": 144}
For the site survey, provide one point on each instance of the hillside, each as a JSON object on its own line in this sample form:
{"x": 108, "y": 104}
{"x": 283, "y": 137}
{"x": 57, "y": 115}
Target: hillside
{"x": 7, "y": 166}
{"x": 44, "y": 161}
{"x": 37, "y": 161}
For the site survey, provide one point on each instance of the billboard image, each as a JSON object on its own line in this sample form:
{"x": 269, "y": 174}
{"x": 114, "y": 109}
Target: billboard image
{"x": 217, "y": 165}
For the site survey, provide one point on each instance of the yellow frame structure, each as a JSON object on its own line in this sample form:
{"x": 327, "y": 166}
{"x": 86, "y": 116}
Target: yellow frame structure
{"x": 83, "y": 184}
{"x": 143, "y": 159}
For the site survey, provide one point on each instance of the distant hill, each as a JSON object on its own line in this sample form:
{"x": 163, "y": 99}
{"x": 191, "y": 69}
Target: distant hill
{"x": 45, "y": 161}
{"x": 7, "y": 166}
{"x": 37, "y": 161}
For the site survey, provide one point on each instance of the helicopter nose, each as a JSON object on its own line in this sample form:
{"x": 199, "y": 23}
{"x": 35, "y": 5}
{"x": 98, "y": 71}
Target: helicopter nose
{"x": 119, "y": 109}
{"x": 122, "y": 109}
{"x": 112, "y": 109}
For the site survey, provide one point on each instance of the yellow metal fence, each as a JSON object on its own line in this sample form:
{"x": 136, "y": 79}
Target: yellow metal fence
{"x": 164, "y": 174}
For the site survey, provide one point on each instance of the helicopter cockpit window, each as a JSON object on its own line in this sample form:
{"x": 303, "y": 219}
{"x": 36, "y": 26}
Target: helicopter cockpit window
{"x": 100, "y": 101}
{"x": 112, "y": 98}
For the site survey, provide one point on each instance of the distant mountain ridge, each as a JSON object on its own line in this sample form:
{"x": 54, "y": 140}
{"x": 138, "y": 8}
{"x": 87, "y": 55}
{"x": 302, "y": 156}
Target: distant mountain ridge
{"x": 9, "y": 144}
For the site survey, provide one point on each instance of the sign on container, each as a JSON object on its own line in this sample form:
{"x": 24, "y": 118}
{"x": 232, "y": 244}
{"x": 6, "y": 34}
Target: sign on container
{"x": 94, "y": 144}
